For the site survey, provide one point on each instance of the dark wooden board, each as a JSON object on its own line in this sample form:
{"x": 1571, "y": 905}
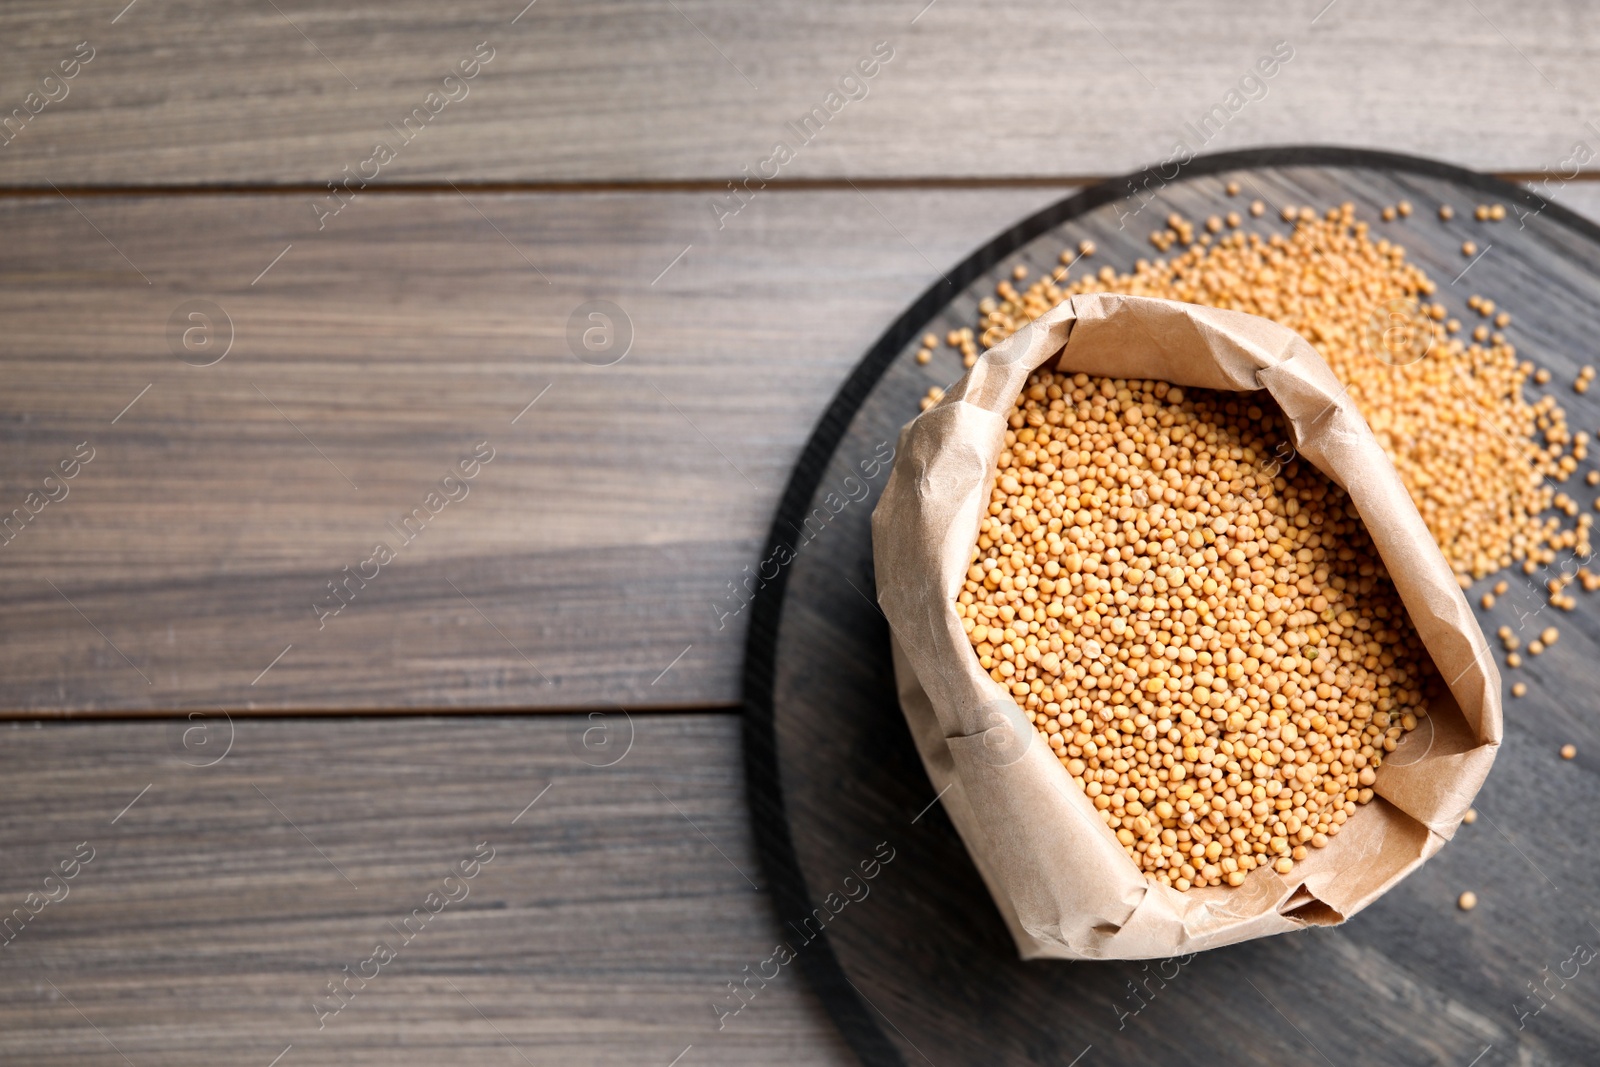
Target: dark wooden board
{"x": 215, "y": 908}
{"x": 200, "y": 92}
{"x": 923, "y": 970}
{"x": 589, "y": 555}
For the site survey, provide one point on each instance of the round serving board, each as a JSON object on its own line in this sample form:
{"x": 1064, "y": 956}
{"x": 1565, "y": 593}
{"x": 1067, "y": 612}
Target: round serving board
{"x": 882, "y": 909}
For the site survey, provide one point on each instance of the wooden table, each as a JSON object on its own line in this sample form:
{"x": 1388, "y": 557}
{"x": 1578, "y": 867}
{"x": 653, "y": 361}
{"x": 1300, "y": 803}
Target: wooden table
{"x": 282, "y": 346}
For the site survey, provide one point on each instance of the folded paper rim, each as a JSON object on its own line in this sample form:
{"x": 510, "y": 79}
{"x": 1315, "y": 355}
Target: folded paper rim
{"x": 1062, "y": 882}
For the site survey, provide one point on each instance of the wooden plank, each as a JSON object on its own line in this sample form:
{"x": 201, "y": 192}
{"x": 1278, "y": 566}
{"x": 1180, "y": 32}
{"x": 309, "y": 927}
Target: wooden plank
{"x": 588, "y": 556}
{"x": 600, "y": 541}
{"x": 242, "y": 92}
{"x": 220, "y": 900}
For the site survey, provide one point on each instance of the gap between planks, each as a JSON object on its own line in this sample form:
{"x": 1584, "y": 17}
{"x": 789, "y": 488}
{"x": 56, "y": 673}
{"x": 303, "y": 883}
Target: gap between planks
{"x": 699, "y": 185}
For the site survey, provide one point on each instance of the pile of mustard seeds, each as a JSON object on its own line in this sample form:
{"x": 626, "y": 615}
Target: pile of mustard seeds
{"x": 1449, "y": 409}
{"x": 1205, "y": 637}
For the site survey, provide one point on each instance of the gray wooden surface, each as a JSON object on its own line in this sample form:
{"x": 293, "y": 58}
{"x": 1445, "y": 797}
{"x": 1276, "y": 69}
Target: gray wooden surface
{"x": 596, "y": 142}
{"x": 624, "y": 90}
{"x": 590, "y": 554}
{"x": 220, "y": 904}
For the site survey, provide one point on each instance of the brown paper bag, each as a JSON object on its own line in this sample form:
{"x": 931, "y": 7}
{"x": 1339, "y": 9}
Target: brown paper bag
{"x": 1065, "y": 886}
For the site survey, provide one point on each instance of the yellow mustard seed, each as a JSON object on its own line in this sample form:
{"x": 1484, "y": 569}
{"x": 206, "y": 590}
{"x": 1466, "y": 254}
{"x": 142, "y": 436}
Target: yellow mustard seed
{"x": 1569, "y": 751}
{"x": 1482, "y": 485}
{"x": 1467, "y": 901}
{"x": 1211, "y": 648}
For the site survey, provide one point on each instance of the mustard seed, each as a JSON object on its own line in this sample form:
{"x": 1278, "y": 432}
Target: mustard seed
{"x": 923, "y": 355}
{"x": 1215, "y": 653}
{"x": 1232, "y": 189}
{"x": 1518, "y": 689}
{"x": 1470, "y": 817}
{"x": 1404, "y": 208}
{"x": 1467, "y": 901}
{"x": 1569, "y": 751}
{"x": 1469, "y": 248}
{"x": 1482, "y": 485}
{"x": 1446, "y": 212}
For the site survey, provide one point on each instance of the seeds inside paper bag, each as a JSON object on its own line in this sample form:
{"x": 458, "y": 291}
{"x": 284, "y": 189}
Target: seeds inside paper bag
{"x": 1197, "y": 622}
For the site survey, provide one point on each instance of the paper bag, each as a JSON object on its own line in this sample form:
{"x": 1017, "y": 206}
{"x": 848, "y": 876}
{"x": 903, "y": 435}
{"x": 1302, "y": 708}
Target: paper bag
{"x": 1065, "y": 886}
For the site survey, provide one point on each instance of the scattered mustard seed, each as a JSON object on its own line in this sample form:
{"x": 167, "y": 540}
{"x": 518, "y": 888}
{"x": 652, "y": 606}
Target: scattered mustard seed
{"x": 1085, "y": 248}
{"x": 1487, "y": 601}
{"x": 1518, "y": 689}
{"x": 923, "y": 355}
{"x": 1257, "y": 208}
{"x": 1446, "y": 212}
{"x": 1470, "y": 817}
{"x": 1233, "y": 188}
{"x": 1569, "y": 751}
{"x": 1467, "y": 901}
{"x": 1404, "y": 208}
{"x": 1469, "y": 248}
{"x": 1482, "y": 486}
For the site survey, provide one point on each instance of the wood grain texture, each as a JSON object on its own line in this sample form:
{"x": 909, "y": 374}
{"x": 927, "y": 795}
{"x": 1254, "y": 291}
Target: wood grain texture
{"x": 589, "y": 555}
{"x": 926, "y": 969}
{"x": 191, "y": 92}
{"x": 216, "y": 908}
